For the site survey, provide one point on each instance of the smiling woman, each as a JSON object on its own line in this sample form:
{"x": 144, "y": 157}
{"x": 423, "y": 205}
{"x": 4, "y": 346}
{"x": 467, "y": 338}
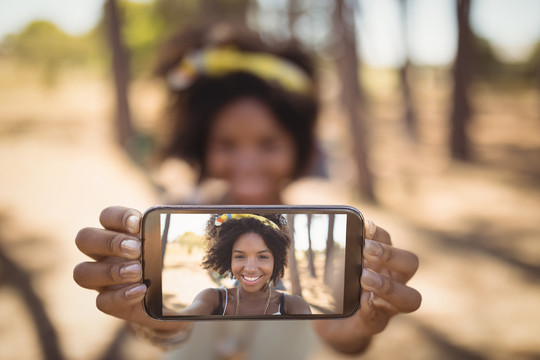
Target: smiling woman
{"x": 253, "y": 249}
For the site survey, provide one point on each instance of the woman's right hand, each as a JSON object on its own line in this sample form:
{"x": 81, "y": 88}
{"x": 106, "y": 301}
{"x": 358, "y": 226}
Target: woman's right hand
{"x": 116, "y": 273}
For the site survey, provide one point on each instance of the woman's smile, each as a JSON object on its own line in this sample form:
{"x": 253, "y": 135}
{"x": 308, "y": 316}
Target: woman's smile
{"x": 251, "y": 280}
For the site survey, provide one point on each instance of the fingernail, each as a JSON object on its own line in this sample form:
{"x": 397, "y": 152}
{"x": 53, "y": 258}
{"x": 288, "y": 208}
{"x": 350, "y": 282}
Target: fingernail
{"x": 371, "y": 296}
{"x": 370, "y": 229}
{"x": 131, "y": 247}
{"x": 135, "y": 291}
{"x": 130, "y": 271}
{"x": 373, "y": 248}
{"x": 132, "y": 223}
{"x": 371, "y": 279}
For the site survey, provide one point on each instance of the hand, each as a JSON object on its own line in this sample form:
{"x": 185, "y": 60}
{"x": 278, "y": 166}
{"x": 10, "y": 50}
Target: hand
{"x": 116, "y": 272}
{"x": 384, "y": 293}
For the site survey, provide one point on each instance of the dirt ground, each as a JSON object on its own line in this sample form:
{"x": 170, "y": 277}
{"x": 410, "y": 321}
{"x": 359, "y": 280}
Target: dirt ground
{"x": 475, "y": 226}
{"x": 183, "y": 278}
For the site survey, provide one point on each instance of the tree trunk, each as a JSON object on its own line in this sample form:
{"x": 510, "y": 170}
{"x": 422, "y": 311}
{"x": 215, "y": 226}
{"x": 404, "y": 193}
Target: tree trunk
{"x": 293, "y": 12}
{"x": 124, "y": 127}
{"x": 461, "y": 110}
{"x": 212, "y": 11}
{"x": 310, "y": 256}
{"x": 347, "y": 62}
{"x": 296, "y": 288}
{"x": 329, "y": 256}
{"x": 165, "y": 236}
{"x": 209, "y": 10}
{"x": 404, "y": 73}
{"x": 12, "y": 274}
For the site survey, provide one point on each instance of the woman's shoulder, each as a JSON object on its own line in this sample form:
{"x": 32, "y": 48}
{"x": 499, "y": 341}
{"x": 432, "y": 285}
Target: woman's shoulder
{"x": 209, "y": 295}
{"x": 295, "y": 304}
{"x": 293, "y": 299}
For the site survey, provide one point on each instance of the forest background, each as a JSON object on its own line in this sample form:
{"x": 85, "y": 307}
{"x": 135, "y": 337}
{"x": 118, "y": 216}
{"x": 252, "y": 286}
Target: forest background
{"x": 442, "y": 151}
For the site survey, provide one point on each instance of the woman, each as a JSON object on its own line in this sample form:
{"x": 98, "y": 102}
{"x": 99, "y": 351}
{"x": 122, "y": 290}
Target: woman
{"x": 254, "y": 129}
{"x": 253, "y": 249}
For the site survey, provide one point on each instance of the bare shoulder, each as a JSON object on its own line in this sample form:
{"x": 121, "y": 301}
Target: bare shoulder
{"x": 204, "y": 303}
{"x": 208, "y": 296}
{"x": 295, "y": 304}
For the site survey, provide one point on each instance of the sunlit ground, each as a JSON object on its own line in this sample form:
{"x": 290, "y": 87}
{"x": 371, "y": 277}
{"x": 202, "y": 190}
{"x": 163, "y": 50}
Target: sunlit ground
{"x": 474, "y": 226}
{"x": 183, "y": 278}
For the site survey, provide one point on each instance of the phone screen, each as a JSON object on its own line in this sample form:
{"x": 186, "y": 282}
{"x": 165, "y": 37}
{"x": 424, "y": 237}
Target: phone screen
{"x": 257, "y": 262}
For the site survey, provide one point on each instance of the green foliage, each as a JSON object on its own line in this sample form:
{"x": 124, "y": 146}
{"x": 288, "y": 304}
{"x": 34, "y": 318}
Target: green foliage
{"x": 489, "y": 67}
{"x": 533, "y": 66}
{"x": 41, "y": 44}
{"x": 144, "y": 28}
{"x": 142, "y": 31}
{"x": 175, "y": 14}
{"x": 42, "y": 41}
{"x": 190, "y": 240}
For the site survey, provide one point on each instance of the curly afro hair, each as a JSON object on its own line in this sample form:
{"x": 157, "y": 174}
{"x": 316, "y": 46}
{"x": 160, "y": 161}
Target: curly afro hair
{"x": 192, "y": 110}
{"x": 220, "y": 241}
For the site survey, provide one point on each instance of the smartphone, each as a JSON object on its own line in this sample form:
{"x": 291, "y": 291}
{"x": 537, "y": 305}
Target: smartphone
{"x": 203, "y": 262}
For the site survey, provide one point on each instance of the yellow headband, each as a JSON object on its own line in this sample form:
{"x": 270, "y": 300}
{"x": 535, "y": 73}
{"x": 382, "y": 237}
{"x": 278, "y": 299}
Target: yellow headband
{"x": 221, "y": 61}
{"x": 220, "y": 220}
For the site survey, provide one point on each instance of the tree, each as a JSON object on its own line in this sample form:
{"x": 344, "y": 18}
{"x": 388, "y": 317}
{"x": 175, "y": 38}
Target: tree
{"x": 233, "y": 10}
{"x": 310, "y": 256}
{"x": 404, "y": 75}
{"x": 293, "y": 13}
{"x": 296, "y": 288}
{"x": 347, "y": 63}
{"x": 461, "y": 109}
{"x": 13, "y": 275}
{"x": 329, "y": 255}
{"x": 176, "y": 15}
{"x": 120, "y": 64}
{"x": 165, "y": 236}
{"x": 44, "y": 46}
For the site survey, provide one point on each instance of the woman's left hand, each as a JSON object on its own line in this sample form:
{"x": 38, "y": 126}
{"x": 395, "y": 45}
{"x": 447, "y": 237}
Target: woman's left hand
{"x": 384, "y": 293}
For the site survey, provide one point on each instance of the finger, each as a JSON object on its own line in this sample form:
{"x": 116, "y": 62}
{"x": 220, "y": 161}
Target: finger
{"x": 376, "y": 320}
{"x": 115, "y": 302}
{"x": 96, "y": 275}
{"x": 369, "y": 229}
{"x": 383, "y": 236}
{"x": 381, "y": 255}
{"x": 367, "y": 310}
{"x": 374, "y": 232}
{"x": 122, "y": 219}
{"x": 403, "y": 298}
{"x": 99, "y": 243}
{"x": 372, "y": 266}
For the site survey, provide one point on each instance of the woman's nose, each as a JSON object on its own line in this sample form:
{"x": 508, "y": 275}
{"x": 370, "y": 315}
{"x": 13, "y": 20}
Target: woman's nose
{"x": 251, "y": 265}
{"x": 245, "y": 161}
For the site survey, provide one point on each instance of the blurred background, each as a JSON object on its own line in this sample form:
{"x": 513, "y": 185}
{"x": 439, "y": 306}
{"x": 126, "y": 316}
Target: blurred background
{"x": 430, "y": 125}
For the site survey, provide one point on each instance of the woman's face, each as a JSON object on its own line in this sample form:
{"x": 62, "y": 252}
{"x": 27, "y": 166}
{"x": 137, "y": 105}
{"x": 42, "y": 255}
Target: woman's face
{"x": 252, "y": 262}
{"x": 248, "y": 148}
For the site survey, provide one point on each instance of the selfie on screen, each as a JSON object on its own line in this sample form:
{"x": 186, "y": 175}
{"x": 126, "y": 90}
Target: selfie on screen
{"x": 249, "y": 255}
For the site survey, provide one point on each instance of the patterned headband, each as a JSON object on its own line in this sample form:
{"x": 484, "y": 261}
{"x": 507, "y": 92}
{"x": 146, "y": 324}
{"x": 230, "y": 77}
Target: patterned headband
{"x": 223, "y": 60}
{"x": 220, "y": 220}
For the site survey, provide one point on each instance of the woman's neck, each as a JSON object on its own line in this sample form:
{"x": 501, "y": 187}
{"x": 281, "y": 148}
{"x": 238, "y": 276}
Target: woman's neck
{"x": 260, "y": 294}
{"x": 252, "y": 301}
{"x": 271, "y": 200}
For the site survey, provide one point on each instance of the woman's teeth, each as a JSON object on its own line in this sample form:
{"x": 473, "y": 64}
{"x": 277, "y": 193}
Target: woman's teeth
{"x": 251, "y": 278}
